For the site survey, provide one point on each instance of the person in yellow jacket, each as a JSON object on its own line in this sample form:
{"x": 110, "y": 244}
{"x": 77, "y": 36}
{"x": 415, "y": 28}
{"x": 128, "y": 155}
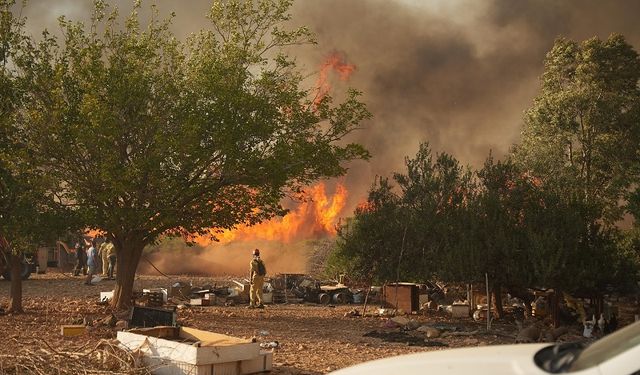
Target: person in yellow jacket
{"x": 257, "y": 271}
{"x": 102, "y": 252}
{"x": 110, "y": 249}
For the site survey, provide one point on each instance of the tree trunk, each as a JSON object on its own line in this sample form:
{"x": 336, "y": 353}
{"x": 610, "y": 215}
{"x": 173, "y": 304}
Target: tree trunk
{"x": 15, "y": 299}
{"x": 128, "y": 257}
{"x": 497, "y": 292}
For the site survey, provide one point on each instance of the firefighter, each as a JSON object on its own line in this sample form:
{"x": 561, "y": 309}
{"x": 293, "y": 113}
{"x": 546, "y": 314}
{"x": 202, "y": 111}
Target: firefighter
{"x": 104, "y": 257}
{"x": 257, "y": 271}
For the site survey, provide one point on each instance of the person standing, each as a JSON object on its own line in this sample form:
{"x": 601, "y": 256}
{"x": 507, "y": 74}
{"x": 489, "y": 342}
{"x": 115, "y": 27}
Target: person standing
{"x": 257, "y": 271}
{"x": 103, "y": 254}
{"x": 92, "y": 262}
{"x": 111, "y": 255}
{"x": 81, "y": 259}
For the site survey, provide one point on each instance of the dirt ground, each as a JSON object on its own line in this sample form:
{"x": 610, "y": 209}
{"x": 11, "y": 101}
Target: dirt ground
{"x": 312, "y": 339}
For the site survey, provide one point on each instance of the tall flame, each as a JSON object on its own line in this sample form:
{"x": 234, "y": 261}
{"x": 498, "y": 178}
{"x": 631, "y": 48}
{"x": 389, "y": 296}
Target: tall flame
{"x": 316, "y": 216}
{"x": 337, "y": 63}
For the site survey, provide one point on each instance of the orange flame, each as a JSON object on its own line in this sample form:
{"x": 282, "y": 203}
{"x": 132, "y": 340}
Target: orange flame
{"x": 337, "y": 63}
{"x": 315, "y": 217}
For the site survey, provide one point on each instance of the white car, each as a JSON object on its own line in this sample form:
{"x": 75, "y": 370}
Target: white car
{"x": 614, "y": 354}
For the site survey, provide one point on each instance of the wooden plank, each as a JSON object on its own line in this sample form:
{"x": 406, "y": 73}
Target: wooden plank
{"x": 72, "y": 330}
{"x": 207, "y": 338}
{"x": 163, "y": 332}
{"x": 219, "y": 348}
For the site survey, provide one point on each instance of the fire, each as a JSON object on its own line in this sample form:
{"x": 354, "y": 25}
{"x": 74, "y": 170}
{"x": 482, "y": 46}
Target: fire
{"x": 326, "y": 212}
{"x": 93, "y": 233}
{"x": 337, "y": 63}
{"x": 316, "y": 216}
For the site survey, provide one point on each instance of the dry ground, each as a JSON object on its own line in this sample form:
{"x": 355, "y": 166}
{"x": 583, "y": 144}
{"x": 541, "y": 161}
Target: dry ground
{"x": 312, "y": 339}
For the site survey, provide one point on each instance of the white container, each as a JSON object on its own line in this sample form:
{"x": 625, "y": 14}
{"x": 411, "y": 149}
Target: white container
{"x": 198, "y": 352}
{"x": 106, "y": 296}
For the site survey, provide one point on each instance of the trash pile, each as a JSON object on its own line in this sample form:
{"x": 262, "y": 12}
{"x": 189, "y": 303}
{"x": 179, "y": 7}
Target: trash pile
{"x": 282, "y": 288}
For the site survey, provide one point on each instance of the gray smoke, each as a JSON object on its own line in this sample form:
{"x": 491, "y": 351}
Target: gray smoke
{"x": 456, "y": 73}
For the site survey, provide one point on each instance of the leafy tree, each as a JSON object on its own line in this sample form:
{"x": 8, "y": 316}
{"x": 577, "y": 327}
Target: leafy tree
{"x": 434, "y": 192}
{"x": 408, "y": 234}
{"x": 28, "y": 217}
{"x": 368, "y": 245}
{"x": 583, "y": 131}
{"x": 149, "y": 136}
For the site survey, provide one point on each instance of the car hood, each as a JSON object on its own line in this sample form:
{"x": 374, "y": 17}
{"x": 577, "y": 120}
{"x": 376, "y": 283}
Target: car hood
{"x": 497, "y": 359}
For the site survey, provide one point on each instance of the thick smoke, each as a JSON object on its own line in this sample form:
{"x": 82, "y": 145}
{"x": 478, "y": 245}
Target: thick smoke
{"x": 455, "y": 73}
{"x": 228, "y": 259}
{"x": 458, "y": 74}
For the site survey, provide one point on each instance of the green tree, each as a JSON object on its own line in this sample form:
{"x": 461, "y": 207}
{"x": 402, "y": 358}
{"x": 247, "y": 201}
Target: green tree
{"x": 582, "y": 132}
{"x": 434, "y": 192}
{"x": 368, "y": 244}
{"x": 150, "y": 136}
{"x": 407, "y": 231}
{"x": 28, "y": 215}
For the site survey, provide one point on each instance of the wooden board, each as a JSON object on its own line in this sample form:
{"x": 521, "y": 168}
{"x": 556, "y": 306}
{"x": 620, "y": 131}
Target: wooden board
{"x": 163, "y": 332}
{"x": 72, "y": 330}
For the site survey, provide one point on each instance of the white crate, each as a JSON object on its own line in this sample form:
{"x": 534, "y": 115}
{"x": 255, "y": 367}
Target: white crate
{"x": 211, "y": 354}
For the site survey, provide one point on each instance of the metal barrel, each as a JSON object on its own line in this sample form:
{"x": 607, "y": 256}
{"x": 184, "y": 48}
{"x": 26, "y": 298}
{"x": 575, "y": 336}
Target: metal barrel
{"x": 340, "y": 298}
{"x": 324, "y": 298}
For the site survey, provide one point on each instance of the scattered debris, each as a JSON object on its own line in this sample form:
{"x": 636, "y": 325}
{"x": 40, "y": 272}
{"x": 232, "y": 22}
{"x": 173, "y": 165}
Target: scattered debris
{"x": 400, "y": 336}
{"x": 352, "y": 313}
{"x": 270, "y": 345}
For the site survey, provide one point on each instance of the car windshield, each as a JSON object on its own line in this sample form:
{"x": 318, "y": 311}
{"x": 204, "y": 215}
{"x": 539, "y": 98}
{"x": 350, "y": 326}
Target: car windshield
{"x": 608, "y": 347}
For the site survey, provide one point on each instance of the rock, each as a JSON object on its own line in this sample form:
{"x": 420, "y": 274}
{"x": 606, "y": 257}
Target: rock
{"x": 528, "y": 335}
{"x": 400, "y": 320}
{"x": 430, "y": 332}
{"x": 411, "y": 325}
{"x": 390, "y": 324}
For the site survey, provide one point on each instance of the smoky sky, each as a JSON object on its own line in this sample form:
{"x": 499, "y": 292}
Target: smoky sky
{"x": 458, "y": 74}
